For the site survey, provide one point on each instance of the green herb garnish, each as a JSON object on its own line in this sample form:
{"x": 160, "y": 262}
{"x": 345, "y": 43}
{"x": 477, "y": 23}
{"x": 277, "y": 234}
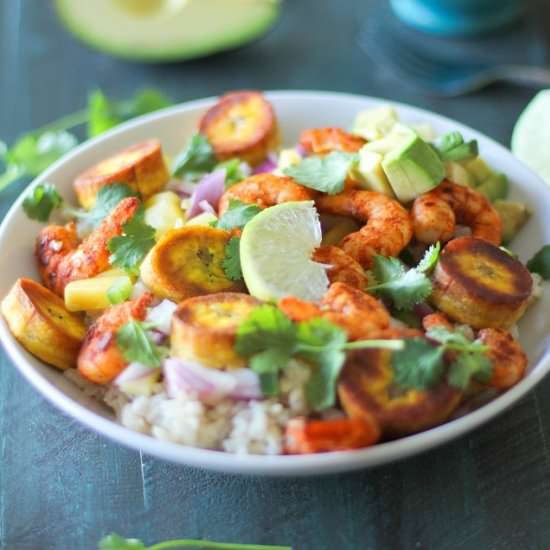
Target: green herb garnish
{"x": 41, "y": 202}
{"x": 116, "y": 542}
{"x": 137, "y": 346}
{"x": 237, "y": 215}
{"x": 232, "y": 260}
{"x": 540, "y": 263}
{"x": 129, "y": 249}
{"x": 233, "y": 171}
{"x": 196, "y": 158}
{"x": 327, "y": 174}
{"x": 119, "y": 291}
{"x": 452, "y": 147}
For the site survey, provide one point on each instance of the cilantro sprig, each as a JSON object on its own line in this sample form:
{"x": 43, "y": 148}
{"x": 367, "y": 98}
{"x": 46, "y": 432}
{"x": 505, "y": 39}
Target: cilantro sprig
{"x": 540, "y": 263}
{"x": 196, "y": 158}
{"x": 327, "y": 174}
{"x": 421, "y": 364}
{"x": 136, "y": 345}
{"x": 42, "y": 201}
{"x": 129, "y": 249}
{"x": 116, "y": 542}
{"x": 232, "y": 260}
{"x": 270, "y": 339}
{"x": 452, "y": 147}
{"x": 405, "y": 288}
{"x": 237, "y": 215}
{"x": 34, "y": 151}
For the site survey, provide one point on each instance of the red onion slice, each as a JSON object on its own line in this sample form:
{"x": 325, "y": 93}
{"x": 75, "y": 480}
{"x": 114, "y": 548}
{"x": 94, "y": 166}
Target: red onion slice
{"x": 134, "y": 371}
{"x": 209, "y": 189}
{"x": 268, "y": 165}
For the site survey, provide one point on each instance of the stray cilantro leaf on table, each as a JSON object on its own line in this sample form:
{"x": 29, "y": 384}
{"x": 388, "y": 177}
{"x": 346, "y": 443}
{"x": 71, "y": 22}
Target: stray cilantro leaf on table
{"x": 237, "y": 215}
{"x": 196, "y": 158}
{"x": 232, "y": 260}
{"x": 327, "y": 174}
{"x": 41, "y": 201}
{"x": 129, "y": 249}
{"x": 452, "y": 147}
{"x": 137, "y": 346}
{"x": 540, "y": 263}
{"x": 116, "y": 542}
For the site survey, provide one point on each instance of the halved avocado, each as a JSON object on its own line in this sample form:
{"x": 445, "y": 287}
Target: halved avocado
{"x": 166, "y": 30}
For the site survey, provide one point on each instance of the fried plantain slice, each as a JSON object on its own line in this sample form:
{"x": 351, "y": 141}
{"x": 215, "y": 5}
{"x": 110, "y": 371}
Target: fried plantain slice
{"x": 478, "y": 284}
{"x": 140, "y": 166}
{"x": 321, "y": 141}
{"x": 204, "y": 328}
{"x": 367, "y": 387}
{"x": 241, "y": 124}
{"x": 40, "y": 322}
{"x": 188, "y": 262}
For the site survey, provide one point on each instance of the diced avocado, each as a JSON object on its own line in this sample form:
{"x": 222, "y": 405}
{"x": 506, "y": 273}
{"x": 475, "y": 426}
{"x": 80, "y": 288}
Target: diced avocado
{"x": 425, "y": 131}
{"x": 455, "y": 172}
{"x": 479, "y": 169}
{"x": 495, "y": 187}
{"x": 398, "y": 135}
{"x": 374, "y": 124}
{"x": 164, "y": 30}
{"x": 369, "y": 173}
{"x": 514, "y": 215}
{"x": 413, "y": 168}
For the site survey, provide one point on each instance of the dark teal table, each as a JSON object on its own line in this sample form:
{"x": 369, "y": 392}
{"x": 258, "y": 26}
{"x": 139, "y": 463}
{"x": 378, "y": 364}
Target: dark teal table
{"x": 62, "y": 487}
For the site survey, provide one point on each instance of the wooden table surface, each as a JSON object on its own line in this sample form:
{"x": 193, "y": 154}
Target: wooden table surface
{"x": 63, "y": 487}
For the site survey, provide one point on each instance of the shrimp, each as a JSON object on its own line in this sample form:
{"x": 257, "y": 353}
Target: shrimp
{"x": 320, "y": 141}
{"x": 436, "y": 213}
{"x": 62, "y": 260}
{"x": 388, "y": 226}
{"x": 341, "y": 267}
{"x": 100, "y": 360}
{"x": 507, "y": 357}
{"x": 358, "y": 313}
{"x": 265, "y": 190}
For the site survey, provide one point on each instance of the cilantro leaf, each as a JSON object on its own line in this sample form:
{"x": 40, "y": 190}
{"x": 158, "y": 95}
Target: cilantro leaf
{"x": 107, "y": 199}
{"x": 267, "y": 364}
{"x": 319, "y": 333}
{"x": 137, "y": 346}
{"x": 266, "y": 327}
{"x": 238, "y": 214}
{"x": 393, "y": 281}
{"x": 469, "y": 365}
{"x": 129, "y": 249}
{"x": 116, "y": 542}
{"x": 104, "y": 114}
{"x": 232, "y": 260}
{"x": 41, "y": 201}
{"x": 197, "y": 157}
{"x": 420, "y": 365}
{"x": 430, "y": 258}
{"x": 540, "y": 263}
{"x": 326, "y": 174}
{"x": 235, "y": 171}
{"x": 452, "y": 147}
{"x": 321, "y": 387}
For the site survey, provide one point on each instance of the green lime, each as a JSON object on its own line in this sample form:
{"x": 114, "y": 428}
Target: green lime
{"x": 531, "y": 136}
{"x": 275, "y": 250}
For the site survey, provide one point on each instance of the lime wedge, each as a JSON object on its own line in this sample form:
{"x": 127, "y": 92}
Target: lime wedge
{"x": 531, "y": 136}
{"x": 276, "y": 248}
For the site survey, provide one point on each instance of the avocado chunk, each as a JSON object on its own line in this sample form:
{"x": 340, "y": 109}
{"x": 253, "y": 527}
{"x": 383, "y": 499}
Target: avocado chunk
{"x": 374, "y": 124}
{"x": 514, "y": 215}
{"x": 479, "y": 170}
{"x": 413, "y": 168}
{"x": 165, "y": 30}
{"x": 369, "y": 173}
{"x": 456, "y": 173}
{"x": 495, "y": 187}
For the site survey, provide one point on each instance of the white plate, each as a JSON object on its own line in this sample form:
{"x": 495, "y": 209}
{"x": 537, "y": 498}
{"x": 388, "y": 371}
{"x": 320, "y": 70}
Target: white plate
{"x": 295, "y": 110}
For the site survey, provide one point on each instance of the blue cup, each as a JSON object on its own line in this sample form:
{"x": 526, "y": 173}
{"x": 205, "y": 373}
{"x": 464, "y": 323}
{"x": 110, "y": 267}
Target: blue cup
{"x": 458, "y": 17}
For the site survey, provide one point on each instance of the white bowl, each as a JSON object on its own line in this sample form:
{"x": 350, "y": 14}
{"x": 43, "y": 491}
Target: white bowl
{"x": 295, "y": 110}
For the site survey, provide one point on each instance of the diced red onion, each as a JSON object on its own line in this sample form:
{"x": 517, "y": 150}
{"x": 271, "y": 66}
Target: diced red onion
{"x": 134, "y": 371}
{"x": 183, "y": 188}
{"x": 300, "y": 150}
{"x": 161, "y": 316}
{"x": 205, "y": 206}
{"x": 268, "y": 165}
{"x": 423, "y": 309}
{"x": 208, "y": 384}
{"x": 157, "y": 336}
{"x": 209, "y": 189}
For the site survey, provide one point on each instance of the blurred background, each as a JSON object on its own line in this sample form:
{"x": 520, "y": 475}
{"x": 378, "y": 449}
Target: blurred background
{"x": 63, "y": 487}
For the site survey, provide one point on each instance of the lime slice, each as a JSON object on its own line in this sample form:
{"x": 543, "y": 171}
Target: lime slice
{"x": 531, "y": 136}
{"x": 276, "y": 248}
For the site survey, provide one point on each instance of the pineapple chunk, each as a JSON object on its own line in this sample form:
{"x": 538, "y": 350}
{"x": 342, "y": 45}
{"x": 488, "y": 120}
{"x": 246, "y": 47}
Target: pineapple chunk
{"x": 91, "y": 294}
{"x": 114, "y": 272}
{"x": 163, "y": 212}
{"x": 206, "y": 218}
{"x": 287, "y": 158}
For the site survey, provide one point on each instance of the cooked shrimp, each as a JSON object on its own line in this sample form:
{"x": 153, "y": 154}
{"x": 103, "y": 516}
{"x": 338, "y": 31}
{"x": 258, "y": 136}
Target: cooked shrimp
{"x": 265, "y": 190}
{"x": 436, "y": 213}
{"x": 320, "y": 141}
{"x": 100, "y": 360}
{"x": 341, "y": 267}
{"x": 388, "y": 227}
{"x": 508, "y": 358}
{"x": 62, "y": 260}
{"x": 358, "y": 313}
